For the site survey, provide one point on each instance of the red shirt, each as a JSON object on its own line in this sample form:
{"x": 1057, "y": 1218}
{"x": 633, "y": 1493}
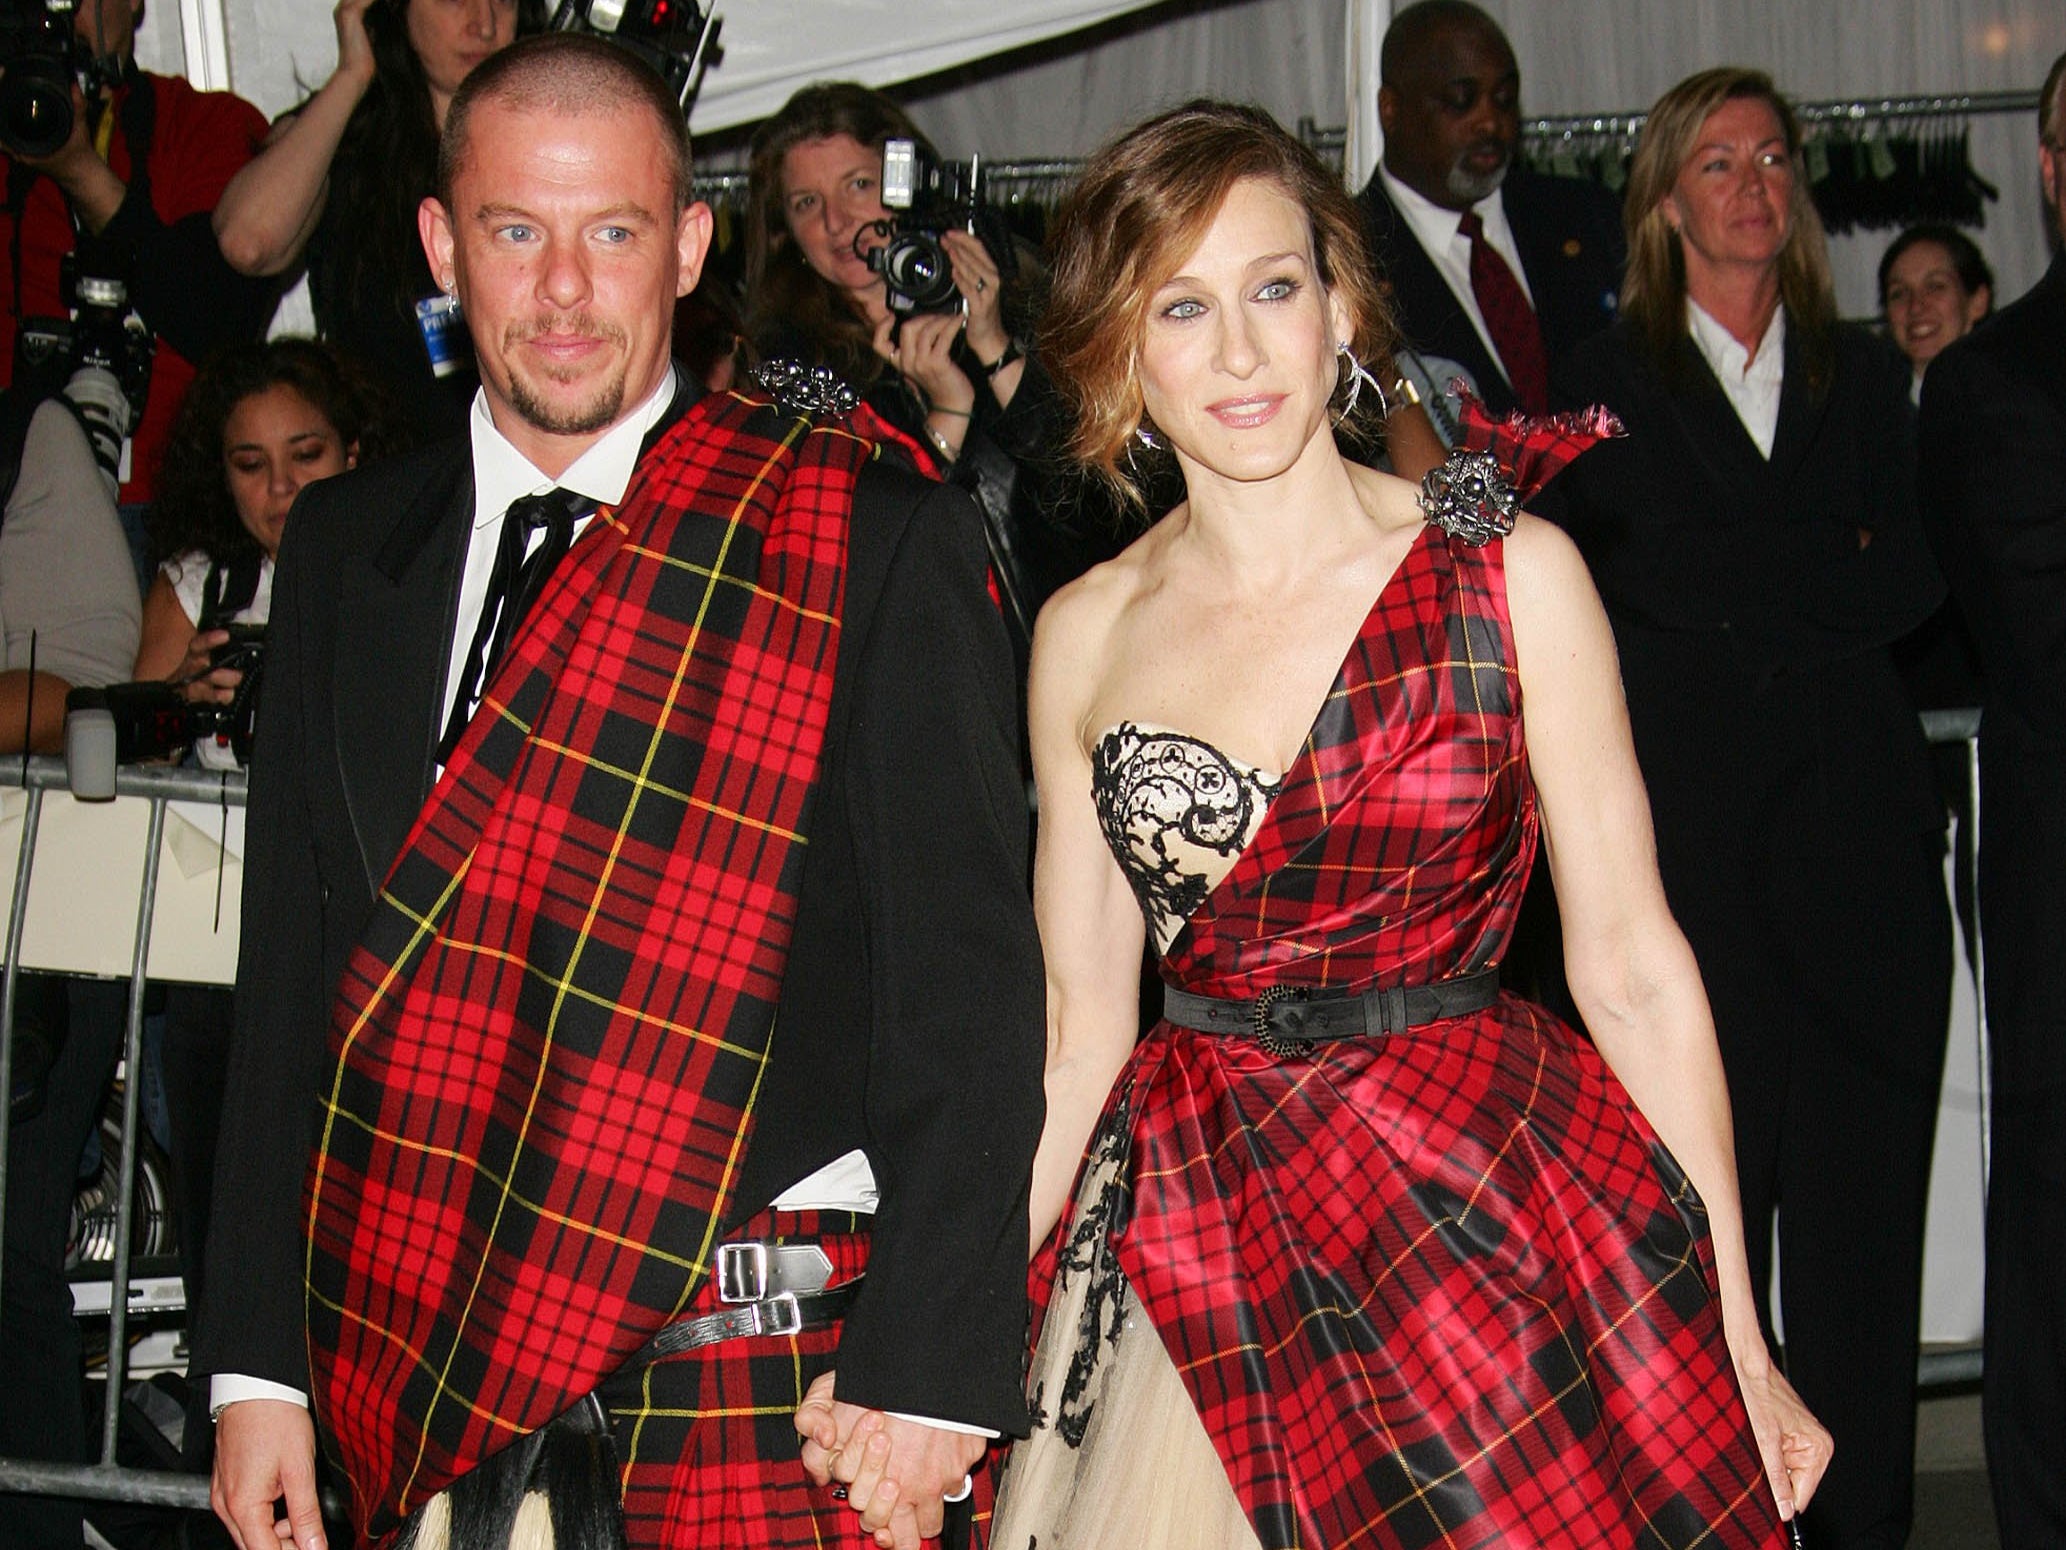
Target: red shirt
{"x": 199, "y": 142}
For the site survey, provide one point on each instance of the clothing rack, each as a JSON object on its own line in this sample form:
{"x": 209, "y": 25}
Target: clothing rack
{"x": 1842, "y": 110}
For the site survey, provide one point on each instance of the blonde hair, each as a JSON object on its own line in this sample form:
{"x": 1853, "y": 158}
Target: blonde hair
{"x": 1142, "y": 207}
{"x": 1653, "y": 293}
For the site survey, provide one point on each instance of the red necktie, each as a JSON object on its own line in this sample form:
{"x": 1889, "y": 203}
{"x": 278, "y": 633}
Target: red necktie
{"x": 1516, "y": 334}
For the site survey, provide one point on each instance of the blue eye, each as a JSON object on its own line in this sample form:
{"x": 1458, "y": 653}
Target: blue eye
{"x": 1183, "y": 311}
{"x": 1277, "y": 290}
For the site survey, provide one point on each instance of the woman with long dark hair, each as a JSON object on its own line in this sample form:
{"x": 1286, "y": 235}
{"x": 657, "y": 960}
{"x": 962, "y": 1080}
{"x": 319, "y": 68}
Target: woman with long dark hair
{"x": 340, "y": 179}
{"x": 259, "y": 422}
{"x": 1757, "y": 542}
{"x": 959, "y": 384}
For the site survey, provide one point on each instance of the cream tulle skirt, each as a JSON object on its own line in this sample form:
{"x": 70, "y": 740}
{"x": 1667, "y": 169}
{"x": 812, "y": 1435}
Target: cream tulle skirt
{"x": 1144, "y": 1475}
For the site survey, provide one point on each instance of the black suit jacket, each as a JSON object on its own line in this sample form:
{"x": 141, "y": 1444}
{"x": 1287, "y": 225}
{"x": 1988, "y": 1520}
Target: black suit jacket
{"x": 1568, "y": 232}
{"x": 911, "y": 1018}
{"x": 1753, "y": 628}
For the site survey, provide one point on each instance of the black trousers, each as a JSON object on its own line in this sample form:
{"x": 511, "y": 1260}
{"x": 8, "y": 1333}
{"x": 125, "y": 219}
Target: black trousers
{"x": 1825, "y": 945}
{"x": 2022, "y": 916}
{"x": 42, "y": 1403}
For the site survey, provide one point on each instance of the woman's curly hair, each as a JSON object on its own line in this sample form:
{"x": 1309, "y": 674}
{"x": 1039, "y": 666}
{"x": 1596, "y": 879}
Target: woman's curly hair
{"x": 193, "y": 509}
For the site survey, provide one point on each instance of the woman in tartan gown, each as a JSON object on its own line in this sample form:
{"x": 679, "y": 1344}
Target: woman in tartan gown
{"x": 1439, "y": 1286}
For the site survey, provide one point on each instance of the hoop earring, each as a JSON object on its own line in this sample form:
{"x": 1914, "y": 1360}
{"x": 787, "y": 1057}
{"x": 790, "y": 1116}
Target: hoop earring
{"x": 1358, "y": 375}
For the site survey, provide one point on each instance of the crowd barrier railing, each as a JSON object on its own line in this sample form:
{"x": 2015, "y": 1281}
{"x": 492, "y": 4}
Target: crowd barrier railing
{"x": 213, "y": 960}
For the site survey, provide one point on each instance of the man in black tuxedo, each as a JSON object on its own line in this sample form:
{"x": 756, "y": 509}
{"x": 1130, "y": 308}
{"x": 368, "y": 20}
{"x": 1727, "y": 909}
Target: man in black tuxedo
{"x": 1994, "y": 492}
{"x": 1492, "y": 266}
{"x": 908, "y": 1046}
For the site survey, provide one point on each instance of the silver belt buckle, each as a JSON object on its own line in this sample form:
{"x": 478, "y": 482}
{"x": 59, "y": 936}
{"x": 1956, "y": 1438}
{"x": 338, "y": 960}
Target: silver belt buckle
{"x": 742, "y": 1272}
{"x": 779, "y": 1315}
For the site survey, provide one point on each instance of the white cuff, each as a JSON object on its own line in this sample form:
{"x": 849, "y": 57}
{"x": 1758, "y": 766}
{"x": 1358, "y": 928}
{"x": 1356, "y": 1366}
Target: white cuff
{"x": 229, "y": 1388}
{"x": 962, "y": 1427}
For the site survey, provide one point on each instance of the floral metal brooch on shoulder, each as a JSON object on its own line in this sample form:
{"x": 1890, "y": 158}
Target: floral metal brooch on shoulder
{"x": 1469, "y": 497}
{"x": 813, "y": 392}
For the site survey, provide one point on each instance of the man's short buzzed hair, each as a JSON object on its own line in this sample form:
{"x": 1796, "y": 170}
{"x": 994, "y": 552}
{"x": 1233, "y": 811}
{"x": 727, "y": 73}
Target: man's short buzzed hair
{"x": 1412, "y": 27}
{"x": 569, "y": 73}
{"x": 2051, "y": 106}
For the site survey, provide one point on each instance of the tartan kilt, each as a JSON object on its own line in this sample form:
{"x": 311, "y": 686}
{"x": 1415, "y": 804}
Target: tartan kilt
{"x": 1441, "y": 1288}
{"x": 711, "y": 1458}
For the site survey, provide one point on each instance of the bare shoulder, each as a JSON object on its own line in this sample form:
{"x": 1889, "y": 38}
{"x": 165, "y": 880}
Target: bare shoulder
{"x": 1073, "y": 638}
{"x": 1544, "y": 569}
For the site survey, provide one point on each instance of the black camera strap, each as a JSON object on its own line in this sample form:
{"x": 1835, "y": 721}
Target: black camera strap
{"x": 229, "y": 589}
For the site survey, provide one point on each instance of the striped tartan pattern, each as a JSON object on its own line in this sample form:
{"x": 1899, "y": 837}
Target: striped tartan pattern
{"x": 546, "y": 1048}
{"x": 1444, "y": 1288}
{"x": 708, "y": 1438}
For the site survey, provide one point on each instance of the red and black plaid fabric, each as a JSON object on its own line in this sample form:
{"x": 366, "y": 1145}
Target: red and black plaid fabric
{"x": 1443, "y": 1288}
{"x": 547, "y": 1047}
{"x": 1533, "y": 449}
{"x": 708, "y": 1440}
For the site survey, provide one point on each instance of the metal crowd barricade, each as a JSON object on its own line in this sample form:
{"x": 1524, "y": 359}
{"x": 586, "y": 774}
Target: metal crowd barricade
{"x": 159, "y": 786}
{"x": 108, "y": 1481}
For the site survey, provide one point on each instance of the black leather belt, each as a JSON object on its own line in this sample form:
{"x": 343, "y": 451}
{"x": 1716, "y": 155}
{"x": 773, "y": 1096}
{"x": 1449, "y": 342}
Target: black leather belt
{"x": 1286, "y": 1018}
{"x": 768, "y": 1288}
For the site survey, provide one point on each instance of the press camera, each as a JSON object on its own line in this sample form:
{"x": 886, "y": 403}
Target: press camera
{"x": 40, "y": 57}
{"x": 930, "y": 197}
{"x": 670, "y": 35}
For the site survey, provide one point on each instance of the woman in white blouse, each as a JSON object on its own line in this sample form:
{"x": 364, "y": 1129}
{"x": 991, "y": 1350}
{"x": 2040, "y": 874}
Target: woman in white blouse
{"x": 1757, "y": 543}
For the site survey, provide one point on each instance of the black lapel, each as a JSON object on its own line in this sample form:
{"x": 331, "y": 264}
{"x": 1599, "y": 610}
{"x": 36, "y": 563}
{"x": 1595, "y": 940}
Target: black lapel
{"x": 1801, "y": 408}
{"x": 1429, "y": 313}
{"x": 394, "y": 634}
{"x": 1713, "y": 430}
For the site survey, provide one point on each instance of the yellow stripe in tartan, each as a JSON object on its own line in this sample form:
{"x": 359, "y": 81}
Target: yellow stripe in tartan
{"x": 732, "y": 526}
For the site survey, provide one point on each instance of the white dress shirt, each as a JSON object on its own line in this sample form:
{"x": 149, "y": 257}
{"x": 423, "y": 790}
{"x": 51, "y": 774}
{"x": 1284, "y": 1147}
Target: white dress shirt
{"x": 1435, "y": 228}
{"x": 1752, "y": 382}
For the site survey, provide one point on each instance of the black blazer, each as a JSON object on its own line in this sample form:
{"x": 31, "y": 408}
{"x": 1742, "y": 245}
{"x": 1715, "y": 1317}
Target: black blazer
{"x": 1568, "y": 232}
{"x": 1994, "y": 478}
{"x": 1752, "y": 625}
{"x": 911, "y": 1021}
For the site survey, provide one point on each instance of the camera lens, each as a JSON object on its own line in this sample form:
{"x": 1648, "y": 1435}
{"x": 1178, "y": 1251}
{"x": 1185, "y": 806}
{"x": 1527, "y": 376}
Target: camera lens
{"x": 916, "y": 266}
{"x": 35, "y": 106}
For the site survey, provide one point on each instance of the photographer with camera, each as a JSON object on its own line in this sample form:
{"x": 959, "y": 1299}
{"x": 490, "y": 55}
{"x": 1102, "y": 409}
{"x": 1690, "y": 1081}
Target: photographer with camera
{"x": 932, "y": 353}
{"x": 111, "y": 176}
{"x": 339, "y": 181}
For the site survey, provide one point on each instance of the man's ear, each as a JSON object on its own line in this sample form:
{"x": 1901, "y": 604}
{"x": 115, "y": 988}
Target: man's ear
{"x": 692, "y": 233}
{"x": 1387, "y": 109}
{"x": 351, "y": 455}
{"x": 434, "y": 226}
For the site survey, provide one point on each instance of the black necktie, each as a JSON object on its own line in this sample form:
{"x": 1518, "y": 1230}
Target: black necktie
{"x": 513, "y": 586}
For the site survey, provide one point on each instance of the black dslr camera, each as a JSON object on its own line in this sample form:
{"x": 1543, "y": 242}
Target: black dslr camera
{"x": 99, "y": 357}
{"x": 156, "y": 720}
{"x": 931, "y": 197}
{"x": 670, "y": 35}
{"x": 41, "y": 56}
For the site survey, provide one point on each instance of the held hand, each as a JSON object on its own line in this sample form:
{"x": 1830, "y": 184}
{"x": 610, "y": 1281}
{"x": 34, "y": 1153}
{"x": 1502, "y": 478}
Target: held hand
{"x": 265, "y": 1449}
{"x": 198, "y": 678}
{"x": 1796, "y": 1447}
{"x": 896, "y": 1473}
{"x": 976, "y": 276}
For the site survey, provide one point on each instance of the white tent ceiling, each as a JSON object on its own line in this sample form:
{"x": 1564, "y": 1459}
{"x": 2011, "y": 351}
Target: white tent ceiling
{"x": 1063, "y": 95}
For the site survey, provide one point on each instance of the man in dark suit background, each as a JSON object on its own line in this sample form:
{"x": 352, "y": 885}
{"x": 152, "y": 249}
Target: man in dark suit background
{"x": 1495, "y": 267}
{"x": 1994, "y": 494}
{"x": 907, "y": 1065}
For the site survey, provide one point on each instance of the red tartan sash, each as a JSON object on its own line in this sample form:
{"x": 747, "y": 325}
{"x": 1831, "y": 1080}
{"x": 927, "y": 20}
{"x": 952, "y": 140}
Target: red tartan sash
{"x": 546, "y": 1048}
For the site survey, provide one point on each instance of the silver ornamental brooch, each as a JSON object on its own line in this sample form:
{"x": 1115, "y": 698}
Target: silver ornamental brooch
{"x": 1469, "y": 497}
{"x": 809, "y": 391}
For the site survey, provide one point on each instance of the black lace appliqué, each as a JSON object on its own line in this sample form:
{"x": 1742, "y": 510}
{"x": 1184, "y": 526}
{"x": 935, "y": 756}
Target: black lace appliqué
{"x": 1154, "y": 789}
{"x": 1088, "y": 1252}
